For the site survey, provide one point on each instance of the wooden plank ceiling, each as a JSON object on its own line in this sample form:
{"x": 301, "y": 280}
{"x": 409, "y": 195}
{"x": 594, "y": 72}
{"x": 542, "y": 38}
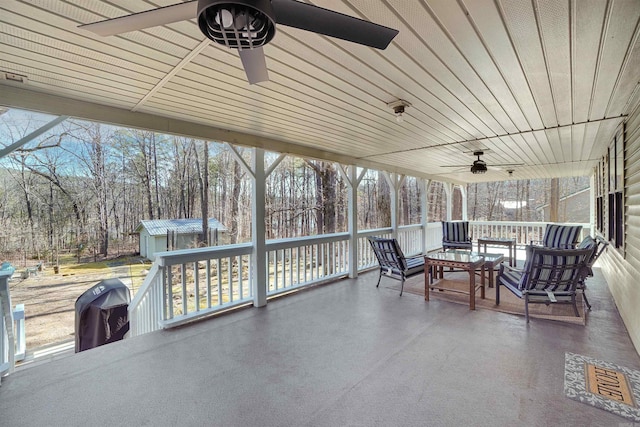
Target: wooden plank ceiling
{"x": 544, "y": 83}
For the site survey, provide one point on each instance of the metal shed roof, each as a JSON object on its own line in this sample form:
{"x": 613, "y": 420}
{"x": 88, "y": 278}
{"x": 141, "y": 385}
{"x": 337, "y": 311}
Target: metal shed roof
{"x": 159, "y": 227}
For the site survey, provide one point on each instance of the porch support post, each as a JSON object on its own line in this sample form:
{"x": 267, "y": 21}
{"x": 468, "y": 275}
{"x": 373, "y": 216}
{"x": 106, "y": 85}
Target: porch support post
{"x": 395, "y": 183}
{"x": 258, "y": 254}
{"x": 424, "y": 212}
{"x": 448, "y": 190}
{"x": 463, "y": 192}
{"x": 350, "y": 175}
{"x": 592, "y": 205}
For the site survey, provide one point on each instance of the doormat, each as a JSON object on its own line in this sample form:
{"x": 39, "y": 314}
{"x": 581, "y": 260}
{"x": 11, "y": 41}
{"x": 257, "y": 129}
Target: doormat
{"x": 602, "y": 384}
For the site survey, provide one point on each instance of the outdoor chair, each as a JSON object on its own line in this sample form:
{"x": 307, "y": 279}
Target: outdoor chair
{"x": 455, "y": 235}
{"x": 392, "y": 261}
{"x": 549, "y": 276}
{"x": 598, "y": 245}
{"x": 560, "y": 236}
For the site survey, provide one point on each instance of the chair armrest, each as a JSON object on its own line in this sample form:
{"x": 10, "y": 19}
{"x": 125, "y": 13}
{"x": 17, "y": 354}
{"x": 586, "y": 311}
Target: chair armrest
{"x": 414, "y": 256}
{"x": 504, "y": 267}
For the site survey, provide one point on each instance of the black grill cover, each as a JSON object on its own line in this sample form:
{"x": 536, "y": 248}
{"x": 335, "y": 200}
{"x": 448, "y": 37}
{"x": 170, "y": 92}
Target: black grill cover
{"x": 101, "y": 314}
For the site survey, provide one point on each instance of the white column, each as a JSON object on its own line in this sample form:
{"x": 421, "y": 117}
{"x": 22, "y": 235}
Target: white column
{"x": 463, "y": 192}
{"x": 592, "y": 206}
{"x": 424, "y": 212}
{"x": 395, "y": 183}
{"x": 448, "y": 190}
{"x": 353, "y": 182}
{"x": 258, "y": 255}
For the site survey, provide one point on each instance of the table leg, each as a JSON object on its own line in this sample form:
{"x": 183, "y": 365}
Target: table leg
{"x": 482, "y": 282}
{"x": 491, "y": 277}
{"x": 427, "y": 281}
{"x": 472, "y": 289}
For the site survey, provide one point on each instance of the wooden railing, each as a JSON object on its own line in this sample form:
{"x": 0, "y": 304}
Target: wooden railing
{"x": 523, "y": 232}
{"x": 188, "y": 284}
{"x": 12, "y": 332}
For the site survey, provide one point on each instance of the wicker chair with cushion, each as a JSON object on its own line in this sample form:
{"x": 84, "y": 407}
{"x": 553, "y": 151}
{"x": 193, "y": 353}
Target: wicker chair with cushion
{"x": 392, "y": 261}
{"x": 549, "y": 276}
{"x": 455, "y": 235}
{"x": 560, "y": 236}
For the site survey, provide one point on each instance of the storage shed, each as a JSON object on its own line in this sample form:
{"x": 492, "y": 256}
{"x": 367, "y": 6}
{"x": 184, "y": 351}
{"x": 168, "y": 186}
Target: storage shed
{"x": 159, "y": 235}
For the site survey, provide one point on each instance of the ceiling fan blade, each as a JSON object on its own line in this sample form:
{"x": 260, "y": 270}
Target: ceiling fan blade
{"x": 142, "y": 20}
{"x": 316, "y": 19}
{"x": 255, "y": 65}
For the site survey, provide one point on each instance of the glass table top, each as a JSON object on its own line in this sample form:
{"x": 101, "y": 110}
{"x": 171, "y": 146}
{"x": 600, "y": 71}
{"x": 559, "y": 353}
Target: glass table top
{"x": 466, "y": 256}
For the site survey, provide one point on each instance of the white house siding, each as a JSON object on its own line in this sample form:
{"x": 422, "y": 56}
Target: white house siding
{"x": 622, "y": 267}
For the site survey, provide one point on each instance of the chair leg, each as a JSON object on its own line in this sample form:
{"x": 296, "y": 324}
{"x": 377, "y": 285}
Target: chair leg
{"x": 584, "y": 296}
{"x": 402, "y": 287}
{"x": 379, "y": 277}
{"x": 574, "y": 300}
{"x": 526, "y": 307}
{"x": 497, "y": 292}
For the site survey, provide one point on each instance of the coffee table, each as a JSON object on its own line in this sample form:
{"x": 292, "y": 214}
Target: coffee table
{"x": 491, "y": 261}
{"x": 499, "y": 241}
{"x": 461, "y": 260}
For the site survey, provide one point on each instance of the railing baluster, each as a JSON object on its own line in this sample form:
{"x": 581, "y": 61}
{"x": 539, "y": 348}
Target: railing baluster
{"x": 208, "y": 266}
{"x": 169, "y": 291}
{"x": 219, "y": 276}
{"x": 196, "y": 274}
{"x": 183, "y": 280}
{"x": 240, "y": 282}
{"x": 230, "y": 278}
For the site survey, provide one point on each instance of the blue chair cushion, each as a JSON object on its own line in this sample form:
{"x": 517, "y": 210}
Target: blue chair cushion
{"x": 457, "y": 231}
{"x": 561, "y": 236}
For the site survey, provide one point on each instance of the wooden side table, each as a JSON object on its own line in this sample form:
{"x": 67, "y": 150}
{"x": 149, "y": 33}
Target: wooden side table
{"x": 499, "y": 241}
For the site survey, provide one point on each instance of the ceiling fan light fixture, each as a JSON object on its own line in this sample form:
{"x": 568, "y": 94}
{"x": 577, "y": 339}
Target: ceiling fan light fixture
{"x": 238, "y": 24}
{"x": 478, "y": 167}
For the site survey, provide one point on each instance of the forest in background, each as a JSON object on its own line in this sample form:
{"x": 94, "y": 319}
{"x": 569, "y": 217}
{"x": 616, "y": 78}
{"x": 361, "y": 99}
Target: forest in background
{"x": 84, "y": 187}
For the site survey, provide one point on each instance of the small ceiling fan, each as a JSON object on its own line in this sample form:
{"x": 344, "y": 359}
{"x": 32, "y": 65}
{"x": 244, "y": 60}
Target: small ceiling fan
{"x": 480, "y": 166}
{"x": 247, "y": 25}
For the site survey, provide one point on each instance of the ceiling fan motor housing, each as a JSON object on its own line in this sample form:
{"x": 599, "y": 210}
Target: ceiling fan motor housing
{"x": 479, "y": 166}
{"x": 239, "y": 24}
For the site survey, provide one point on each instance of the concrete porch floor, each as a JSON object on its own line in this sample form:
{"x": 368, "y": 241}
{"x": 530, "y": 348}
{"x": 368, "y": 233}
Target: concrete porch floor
{"x": 340, "y": 354}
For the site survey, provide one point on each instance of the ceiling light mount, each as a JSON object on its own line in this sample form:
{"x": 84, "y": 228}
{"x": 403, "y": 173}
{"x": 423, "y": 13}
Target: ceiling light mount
{"x": 18, "y": 78}
{"x": 398, "y": 107}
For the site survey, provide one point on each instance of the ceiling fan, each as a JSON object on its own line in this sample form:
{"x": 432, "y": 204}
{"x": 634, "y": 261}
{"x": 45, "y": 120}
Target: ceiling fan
{"x": 247, "y": 25}
{"x": 480, "y": 166}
